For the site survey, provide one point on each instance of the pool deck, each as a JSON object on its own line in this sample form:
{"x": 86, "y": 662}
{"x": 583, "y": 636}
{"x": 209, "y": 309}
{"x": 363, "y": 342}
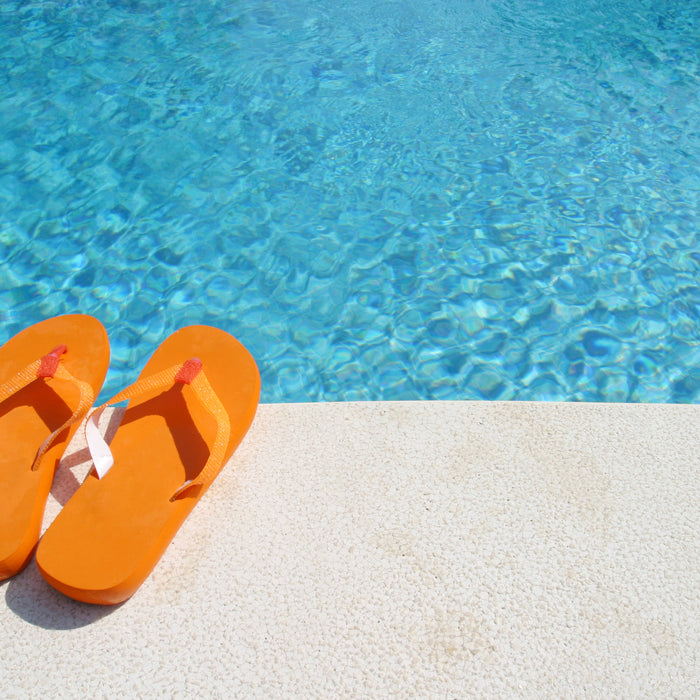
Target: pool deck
{"x": 427, "y": 550}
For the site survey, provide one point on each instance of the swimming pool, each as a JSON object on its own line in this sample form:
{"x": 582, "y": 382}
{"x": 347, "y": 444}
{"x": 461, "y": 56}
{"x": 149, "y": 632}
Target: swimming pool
{"x": 429, "y": 199}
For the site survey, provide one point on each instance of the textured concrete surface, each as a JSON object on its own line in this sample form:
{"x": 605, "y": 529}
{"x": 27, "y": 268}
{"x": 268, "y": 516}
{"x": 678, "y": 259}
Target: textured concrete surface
{"x": 408, "y": 550}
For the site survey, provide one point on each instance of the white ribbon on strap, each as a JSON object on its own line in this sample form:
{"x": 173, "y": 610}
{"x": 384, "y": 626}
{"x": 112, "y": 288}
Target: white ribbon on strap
{"x": 99, "y": 449}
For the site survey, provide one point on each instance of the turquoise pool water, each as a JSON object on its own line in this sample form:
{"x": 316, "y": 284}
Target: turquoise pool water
{"x": 429, "y": 199}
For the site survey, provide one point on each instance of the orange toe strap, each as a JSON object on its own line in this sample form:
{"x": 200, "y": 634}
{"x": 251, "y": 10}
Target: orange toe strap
{"x": 49, "y": 367}
{"x": 190, "y": 372}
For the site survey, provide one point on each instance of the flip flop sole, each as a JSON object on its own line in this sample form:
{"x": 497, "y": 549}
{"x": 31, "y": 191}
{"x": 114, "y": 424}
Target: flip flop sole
{"x": 114, "y": 530}
{"x": 28, "y": 417}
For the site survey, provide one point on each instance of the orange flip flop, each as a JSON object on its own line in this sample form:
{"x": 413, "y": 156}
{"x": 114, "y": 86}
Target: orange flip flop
{"x": 187, "y": 413}
{"x": 50, "y": 374}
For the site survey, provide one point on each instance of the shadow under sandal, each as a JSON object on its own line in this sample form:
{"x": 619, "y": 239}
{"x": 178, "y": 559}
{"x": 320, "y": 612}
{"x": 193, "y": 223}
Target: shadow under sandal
{"x": 50, "y": 374}
{"x": 188, "y": 411}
